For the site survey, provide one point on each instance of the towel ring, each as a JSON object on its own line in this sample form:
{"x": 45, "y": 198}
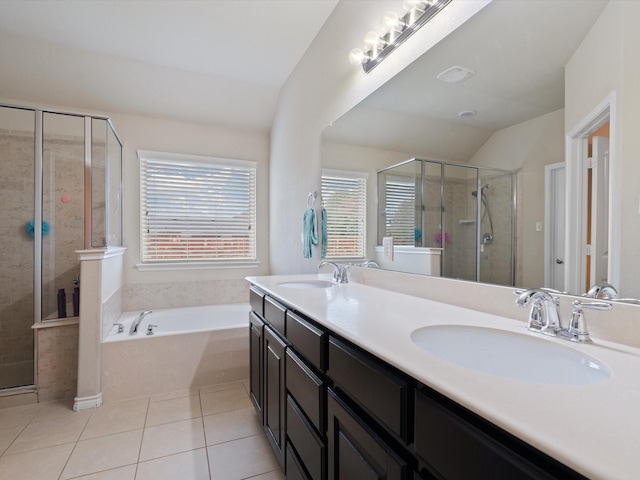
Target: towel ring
{"x": 311, "y": 199}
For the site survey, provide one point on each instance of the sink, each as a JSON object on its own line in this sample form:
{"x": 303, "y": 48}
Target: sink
{"x": 307, "y": 284}
{"x": 512, "y": 355}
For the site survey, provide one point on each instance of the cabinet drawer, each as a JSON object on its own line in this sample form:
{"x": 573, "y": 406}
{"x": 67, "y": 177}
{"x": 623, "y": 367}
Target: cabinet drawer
{"x": 274, "y": 313}
{"x": 256, "y": 300}
{"x": 354, "y": 451}
{"x": 307, "y": 389}
{"x": 308, "y": 445}
{"x": 454, "y": 448}
{"x": 309, "y": 340}
{"x": 373, "y": 385}
{"x": 293, "y": 468}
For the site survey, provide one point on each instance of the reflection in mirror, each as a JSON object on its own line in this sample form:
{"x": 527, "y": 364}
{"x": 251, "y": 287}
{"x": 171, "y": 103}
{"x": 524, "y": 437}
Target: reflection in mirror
{"x": 444, "y": 211}
{"x": 508, "y": 116}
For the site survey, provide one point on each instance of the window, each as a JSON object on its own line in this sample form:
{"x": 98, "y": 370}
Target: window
{"x": 345, "y": 196}
{"x": 399, "y": 210}
{"x": 197, "y": 210}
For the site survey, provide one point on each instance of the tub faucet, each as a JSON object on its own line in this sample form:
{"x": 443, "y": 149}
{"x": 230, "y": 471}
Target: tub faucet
{"x": 339, "y": 271}
{"x": 602, "y": 290}
{"x": 543, "y": 317}
{"x": 134, "y": 326}
{"x": 370, "y": 264}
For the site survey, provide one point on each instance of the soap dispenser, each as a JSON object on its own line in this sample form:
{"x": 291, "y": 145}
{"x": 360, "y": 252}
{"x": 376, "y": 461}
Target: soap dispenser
{"x": 76, "y": 296}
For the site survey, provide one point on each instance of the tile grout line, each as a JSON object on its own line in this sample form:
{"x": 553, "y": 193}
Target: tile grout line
{"x": 204, "y": 433}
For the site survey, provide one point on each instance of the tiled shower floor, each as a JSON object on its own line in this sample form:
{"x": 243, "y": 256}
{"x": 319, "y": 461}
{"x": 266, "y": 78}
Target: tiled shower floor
{"x": 209, "y": 433}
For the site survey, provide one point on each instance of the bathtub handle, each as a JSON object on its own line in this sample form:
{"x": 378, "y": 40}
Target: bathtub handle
{"x": 120, "y": 327}
{"x": 150, "y": 328}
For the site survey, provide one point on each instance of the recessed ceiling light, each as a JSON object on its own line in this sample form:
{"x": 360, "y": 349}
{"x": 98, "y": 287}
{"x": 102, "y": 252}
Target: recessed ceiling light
{"x": 467, "y": 113}
{"x": 455, "y": 74}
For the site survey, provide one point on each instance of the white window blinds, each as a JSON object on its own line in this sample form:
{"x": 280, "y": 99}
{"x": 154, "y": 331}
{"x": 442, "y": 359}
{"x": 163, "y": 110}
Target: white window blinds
{"x": 196, "y": 209}
{"x": 345, "y": 198}
{"x": 400, "y": 210}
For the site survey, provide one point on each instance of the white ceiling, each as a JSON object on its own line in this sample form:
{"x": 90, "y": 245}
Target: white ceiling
{"x": 518, "y": 50}
{"x": 213, "y": 61}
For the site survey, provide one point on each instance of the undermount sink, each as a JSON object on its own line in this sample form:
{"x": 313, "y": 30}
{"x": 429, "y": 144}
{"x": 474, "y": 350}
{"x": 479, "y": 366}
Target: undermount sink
{"x": 307, "y": 284}
{"x": 512, "y": 355}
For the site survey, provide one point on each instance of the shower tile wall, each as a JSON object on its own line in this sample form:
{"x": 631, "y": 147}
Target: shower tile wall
{"x": 496, "y": 259}
{"x": 16, "y": 258}
{"x": 64, "y": 176}
{"x": 57, "y": 362}
{"x": 64, "y": 179}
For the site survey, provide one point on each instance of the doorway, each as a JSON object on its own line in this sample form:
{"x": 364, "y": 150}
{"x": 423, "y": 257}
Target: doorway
{"x": 591, "y": 222}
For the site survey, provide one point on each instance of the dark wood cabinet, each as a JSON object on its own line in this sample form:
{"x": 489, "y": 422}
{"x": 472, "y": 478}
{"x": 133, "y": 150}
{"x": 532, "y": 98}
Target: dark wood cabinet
{"x": 256, "y": 363}
{"x": 304, "y": 439}
{"x": 453, "y": 443}
{"x": 355, "y": 451}
{"x": 274, "y": 391}
{"x": 384, "y": 394}
{"x": 332, "y": 410}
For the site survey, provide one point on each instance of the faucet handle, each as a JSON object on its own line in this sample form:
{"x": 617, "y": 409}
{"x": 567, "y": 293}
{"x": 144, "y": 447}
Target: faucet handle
{"x": 577, "y": 330}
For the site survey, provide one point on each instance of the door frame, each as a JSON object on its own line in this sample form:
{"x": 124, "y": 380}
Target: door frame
{"x": 576, "y": 208}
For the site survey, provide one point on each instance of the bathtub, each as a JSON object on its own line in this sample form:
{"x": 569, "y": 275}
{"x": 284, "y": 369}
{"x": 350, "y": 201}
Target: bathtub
{"x": 173, "y": 321}
{"x": 191, "y": 347}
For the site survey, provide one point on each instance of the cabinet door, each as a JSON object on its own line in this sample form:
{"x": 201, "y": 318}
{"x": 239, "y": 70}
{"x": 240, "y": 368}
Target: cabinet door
{"x": 355, "y": 452}
{"x": 274, "y": 391}
{"x": 256, "y": 358}
{"x": 452, "y": 447}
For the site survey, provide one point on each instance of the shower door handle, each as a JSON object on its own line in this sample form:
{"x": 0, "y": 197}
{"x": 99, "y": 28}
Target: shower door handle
{"x": 559, "y": 261}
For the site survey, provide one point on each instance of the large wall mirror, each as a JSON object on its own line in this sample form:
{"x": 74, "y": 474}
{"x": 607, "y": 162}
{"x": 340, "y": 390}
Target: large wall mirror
{"x": 508, "y": 114}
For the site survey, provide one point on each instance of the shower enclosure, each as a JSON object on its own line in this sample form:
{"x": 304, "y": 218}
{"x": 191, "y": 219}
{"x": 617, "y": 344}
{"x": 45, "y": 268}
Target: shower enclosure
{"x": 464, "y": 213}
{"x": 61, "y": 192}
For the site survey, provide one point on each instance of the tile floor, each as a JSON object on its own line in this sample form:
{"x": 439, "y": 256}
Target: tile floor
{"x": 209, "y": 433}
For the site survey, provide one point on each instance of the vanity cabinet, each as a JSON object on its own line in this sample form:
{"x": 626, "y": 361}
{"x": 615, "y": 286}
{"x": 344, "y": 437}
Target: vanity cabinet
{"x": 274, "y": 391}
{"x": 355, "y": 451}
{"x": 334, "y": 411}
{"x": 256, "y": 363}
{"x": 452, "y": 442}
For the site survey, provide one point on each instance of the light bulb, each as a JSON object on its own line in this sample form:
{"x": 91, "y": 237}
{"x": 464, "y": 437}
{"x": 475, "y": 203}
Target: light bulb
{"x": 371, "y": 40}
{"x": 390, "y": 21}
{"x": 411, "y": 4}
{"x": 356, "y": 56}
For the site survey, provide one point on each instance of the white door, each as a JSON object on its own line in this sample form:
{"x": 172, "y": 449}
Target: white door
{"x": 599, "y": 210}
{"x": 554, "y": 222}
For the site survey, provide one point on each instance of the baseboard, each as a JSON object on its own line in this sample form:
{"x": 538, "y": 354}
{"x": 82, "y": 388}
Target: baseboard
{"x": 85, "y": 403}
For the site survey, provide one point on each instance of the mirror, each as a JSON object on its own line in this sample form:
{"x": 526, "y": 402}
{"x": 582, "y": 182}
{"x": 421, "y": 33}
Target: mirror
{"x": 508, "y": 115}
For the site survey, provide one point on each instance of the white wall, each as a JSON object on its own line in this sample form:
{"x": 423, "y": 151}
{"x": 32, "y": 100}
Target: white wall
{"x": 161, "y": 289}
{"x": 609, "y": 58}
{"x": 323, "y": 87}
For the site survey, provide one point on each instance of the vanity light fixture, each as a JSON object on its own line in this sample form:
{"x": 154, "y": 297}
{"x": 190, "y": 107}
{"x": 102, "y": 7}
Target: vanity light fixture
{"x": 396, "y": 29}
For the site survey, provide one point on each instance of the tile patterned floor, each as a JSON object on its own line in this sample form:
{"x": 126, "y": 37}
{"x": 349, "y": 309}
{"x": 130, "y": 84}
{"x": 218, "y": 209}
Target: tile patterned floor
{"x": 211, "y": 433}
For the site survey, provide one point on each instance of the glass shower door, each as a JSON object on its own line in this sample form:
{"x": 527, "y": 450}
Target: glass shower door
{"x": 17, "y": 191}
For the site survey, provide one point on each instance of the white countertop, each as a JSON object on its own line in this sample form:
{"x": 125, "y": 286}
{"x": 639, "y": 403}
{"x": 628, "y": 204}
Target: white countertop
{"x": 594, "y": 429}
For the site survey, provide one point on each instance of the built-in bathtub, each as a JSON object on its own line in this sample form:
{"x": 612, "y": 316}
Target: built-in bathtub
{"x": 190, "y": 347}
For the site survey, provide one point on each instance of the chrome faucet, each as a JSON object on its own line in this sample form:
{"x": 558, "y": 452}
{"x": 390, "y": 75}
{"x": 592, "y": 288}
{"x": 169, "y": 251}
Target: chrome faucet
{"x": 577, "y": 329}
{"x": 134, "y": 326}
{"x": 602, "y": 290}
{"x": 543, "y": 317}
{"x": 339, "y": 271}
{"x": 370, "y": 264}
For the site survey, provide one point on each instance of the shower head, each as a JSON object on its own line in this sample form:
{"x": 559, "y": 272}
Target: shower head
{"x": 485, "y": 186}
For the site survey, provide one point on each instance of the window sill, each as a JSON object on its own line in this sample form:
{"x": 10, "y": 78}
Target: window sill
{"x": 146, "y": 267}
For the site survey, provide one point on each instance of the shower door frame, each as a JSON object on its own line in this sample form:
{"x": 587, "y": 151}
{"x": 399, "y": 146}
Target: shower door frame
{"x": 38, "y": 213}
